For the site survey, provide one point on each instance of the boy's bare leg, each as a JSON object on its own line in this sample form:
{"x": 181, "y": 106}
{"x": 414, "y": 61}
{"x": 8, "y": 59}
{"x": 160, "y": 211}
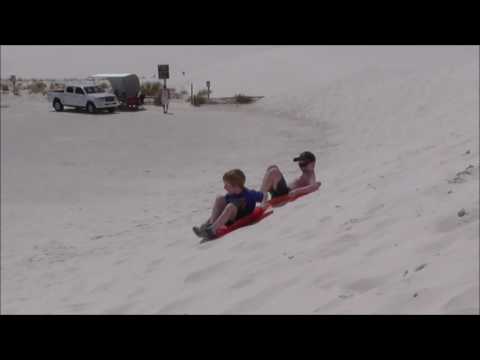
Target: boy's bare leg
{"x": 228, "y": 213}
{"x": 218, "y": 206}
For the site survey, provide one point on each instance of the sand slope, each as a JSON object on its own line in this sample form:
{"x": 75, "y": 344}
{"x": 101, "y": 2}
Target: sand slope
{"x": 97, "y": 210}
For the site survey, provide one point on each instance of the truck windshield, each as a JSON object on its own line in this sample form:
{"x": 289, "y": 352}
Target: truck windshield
{"x": 94, "y": 89}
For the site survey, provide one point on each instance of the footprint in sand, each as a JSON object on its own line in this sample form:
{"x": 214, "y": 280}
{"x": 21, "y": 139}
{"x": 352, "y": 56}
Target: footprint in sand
{"x": 374, "y": 210}
{"x": 118, "y": 310}
{"x": 437, "y": 245}
{"x": 420, "y": 267}
{"x": 241, "y": 283}
{"x": 254, "y": 303}
{"x": 102, "y": 287}
{"x": 175, "y": 306}
{"x": 324, "y": 219}
{"x": 205, "y": 273}
{"x": 250, "y": 245}
{"x": 306, "y": 234}
{"x": 467, "y": 302}
{"x": 76, "y": 308}
{"x": 329, "y": 305}
{"x": 366, "y": 284}
{"x": 322, "y": 281}
{"x": 139, "y": 291}
{"x": 453, "y": 222}
{"x": 153, "y": 265}
{"x": 337, "y": 247}
{"x": 121, "y": 261}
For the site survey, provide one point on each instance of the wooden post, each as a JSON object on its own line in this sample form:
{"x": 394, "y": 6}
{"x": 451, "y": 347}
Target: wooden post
{"x": 191, "y": 92}
{"x": 208, "y": 90}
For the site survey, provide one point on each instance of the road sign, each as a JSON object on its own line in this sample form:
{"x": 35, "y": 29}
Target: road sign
{"x": 163, "y": 72}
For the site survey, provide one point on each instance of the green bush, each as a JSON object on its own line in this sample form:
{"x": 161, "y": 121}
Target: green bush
{"x": 5, "y": 88}
{"x": 243, "y": 99}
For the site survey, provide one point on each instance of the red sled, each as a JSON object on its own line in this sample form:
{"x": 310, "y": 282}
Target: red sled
{"x": 257, "y": 215}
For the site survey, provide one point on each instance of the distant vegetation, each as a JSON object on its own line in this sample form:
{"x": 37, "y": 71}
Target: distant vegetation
{"x": 56, "y": 86}
{"x": 150, "y": 89}
{"x": 200, "y": 98}
{"x": 243, "y": 99}
{"x": 104, "y": 85}
{"x": 37, "y": 87}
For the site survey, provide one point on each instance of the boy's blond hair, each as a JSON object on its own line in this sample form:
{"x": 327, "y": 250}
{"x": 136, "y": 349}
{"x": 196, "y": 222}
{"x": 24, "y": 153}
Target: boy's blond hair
{"x": 235, "y": 177}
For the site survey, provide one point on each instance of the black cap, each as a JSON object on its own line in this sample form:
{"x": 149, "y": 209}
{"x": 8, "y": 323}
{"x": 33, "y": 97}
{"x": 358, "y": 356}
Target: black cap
{"x": 305, "y": 156}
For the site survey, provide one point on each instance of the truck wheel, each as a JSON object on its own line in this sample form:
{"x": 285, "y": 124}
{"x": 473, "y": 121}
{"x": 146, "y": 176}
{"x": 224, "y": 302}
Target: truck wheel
{"x": 90, "y": 108}
{"x": 57, "y": 105}
{"x": 111, "y": 110}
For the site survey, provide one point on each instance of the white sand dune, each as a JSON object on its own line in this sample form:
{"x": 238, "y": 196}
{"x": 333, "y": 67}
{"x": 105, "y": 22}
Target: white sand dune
{"x": 97, "y": 210}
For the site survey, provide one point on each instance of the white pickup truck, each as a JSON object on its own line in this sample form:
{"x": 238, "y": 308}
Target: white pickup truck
{"x": 89, "y": 97}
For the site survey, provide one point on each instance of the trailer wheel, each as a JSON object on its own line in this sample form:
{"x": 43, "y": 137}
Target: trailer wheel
{"x": 57, "y": 105}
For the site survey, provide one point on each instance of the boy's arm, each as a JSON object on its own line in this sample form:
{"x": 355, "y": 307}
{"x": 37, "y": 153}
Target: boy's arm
{"x": 261, "y": 197}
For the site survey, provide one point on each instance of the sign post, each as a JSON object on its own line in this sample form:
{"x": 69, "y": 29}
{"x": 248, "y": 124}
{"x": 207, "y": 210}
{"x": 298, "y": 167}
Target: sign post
{"x": 164, "y": 73}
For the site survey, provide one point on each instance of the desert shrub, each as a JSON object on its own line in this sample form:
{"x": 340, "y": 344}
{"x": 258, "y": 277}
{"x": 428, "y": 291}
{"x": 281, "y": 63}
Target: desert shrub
{"x": 37, "y": 87}
{"x": 243, "y": 99}
{"x": 200, "y": 98}
{"x": 203, "y": 92}
{"x": 56, "y": 86}
{"x": 150, "y": 89}
{"x": 104, "y": 85}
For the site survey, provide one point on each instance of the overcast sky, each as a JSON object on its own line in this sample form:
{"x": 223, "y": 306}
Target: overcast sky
{"x": 42, "y": 61}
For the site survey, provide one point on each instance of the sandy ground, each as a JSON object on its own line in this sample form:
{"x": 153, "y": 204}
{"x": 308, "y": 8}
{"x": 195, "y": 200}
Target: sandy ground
{"x": 97, "y": 210}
